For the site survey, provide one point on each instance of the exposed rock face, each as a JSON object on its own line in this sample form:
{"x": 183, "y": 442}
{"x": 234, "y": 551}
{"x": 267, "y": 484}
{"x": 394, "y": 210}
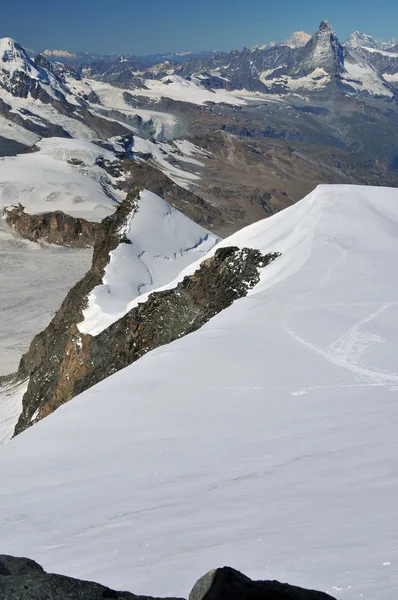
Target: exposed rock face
{"x": 52, "y": 343}
{"x": 228, "y": 584}
{"x": 322, "y": 51}
{"x": 384, "y": 63}
{"x": 62, "y": 363}
{"x": 24, "y": 579}
{"x": 53, "y": 227}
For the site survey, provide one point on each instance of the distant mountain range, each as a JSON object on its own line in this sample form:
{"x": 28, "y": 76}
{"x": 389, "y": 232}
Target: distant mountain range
{"x": 297, "y": 39}
{"x": 275, "y": 120}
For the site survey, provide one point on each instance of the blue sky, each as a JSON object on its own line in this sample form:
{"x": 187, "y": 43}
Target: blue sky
{"x": 149, "y": 26}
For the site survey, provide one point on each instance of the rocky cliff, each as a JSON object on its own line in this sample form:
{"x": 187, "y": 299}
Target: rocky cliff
{"x": 53, "y": 227}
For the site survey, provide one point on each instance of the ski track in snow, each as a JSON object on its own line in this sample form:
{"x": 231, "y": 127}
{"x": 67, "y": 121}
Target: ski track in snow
{"x": 352, "y": 344}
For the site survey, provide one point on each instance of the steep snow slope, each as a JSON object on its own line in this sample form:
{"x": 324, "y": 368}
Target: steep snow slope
{"x": 361, "y": 76}
{"x": 266, "y": 440}
{"x": 163, "y": 241}
{"x": 11, "y": 131}
{"x": 44, "y": 181}
{"x": 297, "y": 39}
{"x": 358, "y": 39}
{"x": 14, "y": 60}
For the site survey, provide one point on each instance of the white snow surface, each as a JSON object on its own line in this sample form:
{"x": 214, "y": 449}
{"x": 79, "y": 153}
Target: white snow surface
{"x": 35, "y": 278}
{"x": 11, "y": 131}
{"x": 382, "y": 52}
{"x": 317, "y": 79}
{"x": 297, "y": 39}
{"x": 14, "y": 58}
{"x": 163, "y": 243}
{"x": 391, "y": 77}
{"x": 10, "y": 409}
{"x": 112, "y": 98}
{"x": 180, "y": 89}
{"x": 44, "y": 181}
{"x": 181, "y": 151}
{"x": 267, "y": 440}
{"x": 362, "y": 77}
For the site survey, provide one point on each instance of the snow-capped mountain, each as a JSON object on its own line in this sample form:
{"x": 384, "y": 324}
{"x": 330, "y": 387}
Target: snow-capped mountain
{"x": 21, "y": 77}
{"x": 267, "y": 437}
{"x": 322, "y": 63}
{"x": 323, "y": 51}
{"x": 297, "y": 39}
{"x": 384, "y": 62}
{"x": 358, "y": 39}
{"x": 67, "y": 57}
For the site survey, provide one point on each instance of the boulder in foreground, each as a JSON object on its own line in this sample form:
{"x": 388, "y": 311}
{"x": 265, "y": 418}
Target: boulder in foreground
{"x": 24, "y": 579}
{"x": 228, "y": 584}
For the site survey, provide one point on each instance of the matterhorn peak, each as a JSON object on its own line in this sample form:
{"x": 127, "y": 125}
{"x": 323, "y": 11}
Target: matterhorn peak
{"x": 325, "y": 26}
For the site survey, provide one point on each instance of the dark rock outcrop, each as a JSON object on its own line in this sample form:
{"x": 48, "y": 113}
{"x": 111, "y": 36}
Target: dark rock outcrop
{"x": 24, "y": 579}
{"x": 52, "y": 343}
{"x": 228, "y": 584}
{"x": 53, "y": 227}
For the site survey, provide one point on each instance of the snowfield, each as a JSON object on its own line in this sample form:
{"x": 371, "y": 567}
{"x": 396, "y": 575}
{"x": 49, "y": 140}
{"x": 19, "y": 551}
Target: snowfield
{"x": 11, "y": 131}
{"x": 35, "y": 278}
{"x": 163, "y": 241}
{"x": 45, "y": 181}
{"x": 267, "y": 440}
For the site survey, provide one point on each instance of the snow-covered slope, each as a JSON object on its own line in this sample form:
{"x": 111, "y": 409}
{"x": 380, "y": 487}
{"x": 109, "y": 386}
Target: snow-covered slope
{"x": 266, "y": 440}
{"x": 358, "y": 39}
{"x": 17, "y": 70}
{"x": 45, "y": 181}
{"x": 361, "y": 76}
{"x": 12, "y": 131}
{"x": 13, "y": 58}
{"x": 297, "y": 39}
{"x": 163, "y": 242}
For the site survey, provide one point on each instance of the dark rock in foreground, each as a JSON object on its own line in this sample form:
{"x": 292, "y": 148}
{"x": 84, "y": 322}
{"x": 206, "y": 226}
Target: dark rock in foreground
{"x": 24, "y": 579}
{"x": 228, "y": 584}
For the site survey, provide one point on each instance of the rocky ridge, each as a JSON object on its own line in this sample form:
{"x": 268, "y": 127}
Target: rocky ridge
{"x": 61, "y": 362}
{"x": 53, "y": 227}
